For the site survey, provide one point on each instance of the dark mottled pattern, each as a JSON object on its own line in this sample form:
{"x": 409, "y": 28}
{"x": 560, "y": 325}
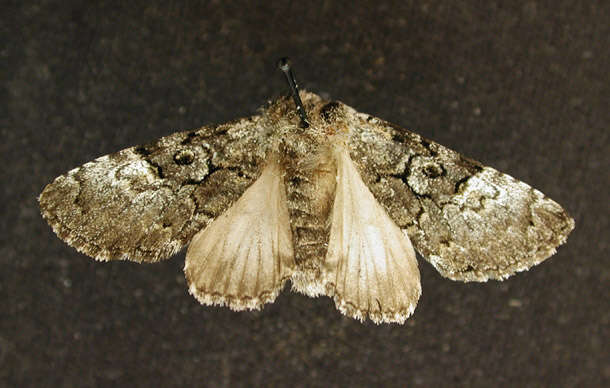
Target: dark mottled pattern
{"x": 471, "y": 222}
{"x": 145, "y": 203}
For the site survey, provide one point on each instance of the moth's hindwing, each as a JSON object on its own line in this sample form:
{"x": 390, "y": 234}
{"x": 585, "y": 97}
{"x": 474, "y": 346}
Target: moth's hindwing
{"x": 244, "y": 257}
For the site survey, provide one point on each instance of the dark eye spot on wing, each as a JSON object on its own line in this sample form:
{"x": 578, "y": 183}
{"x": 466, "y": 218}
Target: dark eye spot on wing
{"x": 184, "y": 157}
{"x": 434, "y": 170}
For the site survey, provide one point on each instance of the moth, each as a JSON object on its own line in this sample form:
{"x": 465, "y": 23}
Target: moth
{"x": 311, "y": 191}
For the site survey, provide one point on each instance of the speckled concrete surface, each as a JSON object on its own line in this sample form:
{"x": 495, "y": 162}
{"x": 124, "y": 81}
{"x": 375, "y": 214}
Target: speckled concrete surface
{"x": 523, "y": 88}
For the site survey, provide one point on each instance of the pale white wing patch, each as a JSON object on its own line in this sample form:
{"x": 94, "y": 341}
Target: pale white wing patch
{"x": 370, "y": 266}
{"x": 243, "y": 258}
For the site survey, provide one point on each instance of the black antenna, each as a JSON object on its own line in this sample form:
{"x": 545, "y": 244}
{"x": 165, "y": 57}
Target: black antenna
{"x": 284, "y": 65}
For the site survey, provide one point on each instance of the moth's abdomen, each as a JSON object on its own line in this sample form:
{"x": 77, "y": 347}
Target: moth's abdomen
{"x": 310, "y": 187}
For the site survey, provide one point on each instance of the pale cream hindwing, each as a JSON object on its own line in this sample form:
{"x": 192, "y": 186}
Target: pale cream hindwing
{"x": 370, "y": 267}
{"x": 243, "y": 258}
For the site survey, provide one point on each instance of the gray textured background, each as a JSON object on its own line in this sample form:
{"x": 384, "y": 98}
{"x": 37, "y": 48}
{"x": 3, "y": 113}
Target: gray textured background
{"x": 522, "y": 87}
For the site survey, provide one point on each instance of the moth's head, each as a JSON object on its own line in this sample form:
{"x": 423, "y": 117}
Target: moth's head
{"x": 326, "y": 117}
